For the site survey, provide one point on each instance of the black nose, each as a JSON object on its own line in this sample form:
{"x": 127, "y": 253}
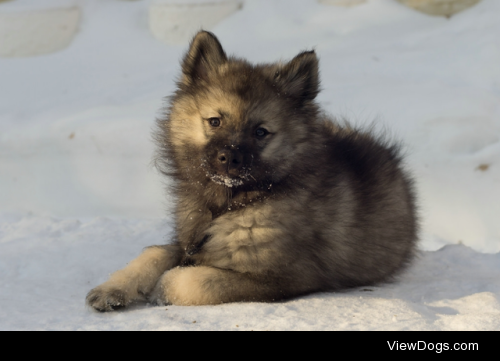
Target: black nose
{"x": 230, "y": 159}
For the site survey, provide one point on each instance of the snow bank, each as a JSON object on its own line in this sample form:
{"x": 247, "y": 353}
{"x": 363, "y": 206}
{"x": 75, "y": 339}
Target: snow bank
{"x": 175, "y": 22}
{"x": 439, "y": 7}
{"x": 77, "y": 164}
{"x": 75, "y": 125}
{"x": 30, "y": 28}
{"x": 342, "y": 2}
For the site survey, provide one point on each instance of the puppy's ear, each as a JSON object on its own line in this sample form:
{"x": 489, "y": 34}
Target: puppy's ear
{"x": 205, "y": 55}
{"x": 300, "y": 77}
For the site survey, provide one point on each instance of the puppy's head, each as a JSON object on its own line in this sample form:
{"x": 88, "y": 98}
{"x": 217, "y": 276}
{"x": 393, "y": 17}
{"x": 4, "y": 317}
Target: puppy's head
{"x": 237, "y": 123}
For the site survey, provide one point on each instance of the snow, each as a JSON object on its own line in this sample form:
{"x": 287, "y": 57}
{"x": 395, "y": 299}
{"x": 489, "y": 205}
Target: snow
{"x": 48, "y": 27}
{"x": 48, "y": 266}
{"x": 79, "y": 197}
{"x": 174, "y": 22}
{"x": 30, "y": 5}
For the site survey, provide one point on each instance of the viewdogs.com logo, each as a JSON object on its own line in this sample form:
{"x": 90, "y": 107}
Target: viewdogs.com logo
{"x": 429, "y": 346}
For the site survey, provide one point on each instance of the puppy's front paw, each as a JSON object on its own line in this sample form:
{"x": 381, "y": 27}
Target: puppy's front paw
{"x": 158, "y": 296}
{"x": 105, "y": 299}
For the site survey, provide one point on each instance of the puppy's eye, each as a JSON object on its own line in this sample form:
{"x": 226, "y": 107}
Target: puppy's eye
{"x": 261, "y": 132}
{"x": 214, "y": 122}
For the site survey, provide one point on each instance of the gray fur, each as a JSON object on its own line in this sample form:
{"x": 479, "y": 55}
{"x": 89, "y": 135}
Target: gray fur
{"x": 273, "y": 200}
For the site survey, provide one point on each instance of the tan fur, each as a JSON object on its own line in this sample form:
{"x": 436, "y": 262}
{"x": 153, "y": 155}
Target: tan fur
{"x": 134, "y": 281}
{"x": 190, "y": 129}
{"x": 185, "y": 287}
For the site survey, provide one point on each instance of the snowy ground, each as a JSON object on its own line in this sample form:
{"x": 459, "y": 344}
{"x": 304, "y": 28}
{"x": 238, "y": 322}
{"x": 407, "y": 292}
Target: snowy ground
{"x": 79, "y": 199}
{"x": 49, "y": 265}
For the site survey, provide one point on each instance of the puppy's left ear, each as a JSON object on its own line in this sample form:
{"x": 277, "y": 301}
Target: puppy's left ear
{"x": 204, "y": 56}
{"x": 300, "y": 77}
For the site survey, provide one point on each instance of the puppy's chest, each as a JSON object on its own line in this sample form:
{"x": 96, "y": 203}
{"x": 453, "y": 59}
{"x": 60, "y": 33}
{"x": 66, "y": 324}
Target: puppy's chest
{"x": 241, "y": 233}
{"x": 239, "y": 201}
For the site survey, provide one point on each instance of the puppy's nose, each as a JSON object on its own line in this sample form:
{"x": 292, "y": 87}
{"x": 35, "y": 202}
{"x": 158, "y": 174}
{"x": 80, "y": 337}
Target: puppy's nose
{"x": 231, "y": 159}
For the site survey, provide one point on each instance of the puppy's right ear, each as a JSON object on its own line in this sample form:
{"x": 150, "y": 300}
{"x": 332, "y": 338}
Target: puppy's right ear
{"x": 204, "y": 56}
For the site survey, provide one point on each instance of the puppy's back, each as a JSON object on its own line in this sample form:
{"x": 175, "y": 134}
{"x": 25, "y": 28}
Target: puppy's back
{"x": 367, "y": 211}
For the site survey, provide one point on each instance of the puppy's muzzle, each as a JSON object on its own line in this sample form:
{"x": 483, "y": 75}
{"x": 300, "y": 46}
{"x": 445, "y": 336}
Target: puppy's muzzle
{"x": 230, "y": 161}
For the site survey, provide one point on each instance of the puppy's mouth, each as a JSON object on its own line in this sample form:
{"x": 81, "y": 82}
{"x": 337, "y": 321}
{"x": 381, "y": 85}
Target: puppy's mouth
{"x": 226, "y": 180}
{"x": 230, "y": 180}
{"x": 227, "y": 177}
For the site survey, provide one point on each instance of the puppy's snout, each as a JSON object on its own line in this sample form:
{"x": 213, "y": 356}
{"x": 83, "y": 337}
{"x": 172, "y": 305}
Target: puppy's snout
{"x": 230, "y": 159}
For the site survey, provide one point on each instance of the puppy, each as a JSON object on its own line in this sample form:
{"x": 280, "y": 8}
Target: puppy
{"x": 273, "y": 199}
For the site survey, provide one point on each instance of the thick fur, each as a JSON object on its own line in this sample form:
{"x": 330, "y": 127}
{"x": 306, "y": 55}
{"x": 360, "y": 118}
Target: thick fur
{"x": 273, "y": 200}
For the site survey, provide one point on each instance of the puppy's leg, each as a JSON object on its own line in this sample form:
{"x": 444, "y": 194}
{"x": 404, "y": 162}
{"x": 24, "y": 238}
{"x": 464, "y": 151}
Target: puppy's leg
{"x": 135, "y": 280}
{"x": 190, "y": 286}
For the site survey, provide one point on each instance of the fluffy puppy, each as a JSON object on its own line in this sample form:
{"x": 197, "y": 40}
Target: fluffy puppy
{"x": 273, "y": 199}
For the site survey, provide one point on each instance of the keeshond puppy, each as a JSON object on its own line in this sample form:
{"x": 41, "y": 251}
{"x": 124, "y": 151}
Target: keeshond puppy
{"x": 273, "y": 199}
